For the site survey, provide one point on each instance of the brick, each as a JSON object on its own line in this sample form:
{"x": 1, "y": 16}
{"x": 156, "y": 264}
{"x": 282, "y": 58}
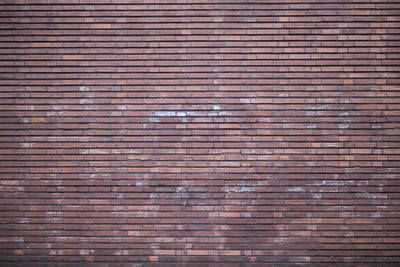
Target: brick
{"x": 213, "y": 133}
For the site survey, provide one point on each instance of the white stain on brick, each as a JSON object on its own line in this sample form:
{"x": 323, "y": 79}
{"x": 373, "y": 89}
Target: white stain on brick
{"x": 165, "y": 113}
{"x": 116, "y": 114}
{"x": 245, "y": 100}
{"x": 85, "y": 252}
{"x": 171, "y": 113}
{"x": 295, "y": 189}
{"x": 245, "y": 189}
{"x": 181, "y": 114}
{"x": 84, "y": 88}
{"x": 23, "y": 220}
{"x": 121, "y": 252}
{"x": 54, "y": 114}
{"x": 320, "y": 107}
{"x": 241, "y": 189}
{"x": 154, "y": 120}
{"x": 224, "y": 113}
{"x": 216, "y": 107}
{"x": 26, "y": 145}
{"x": 154, "y": 195}
{"x": 84, "y": 101}
{"x": 59, "y": 107}
{"x": 180, "y": 189}
{"x": 373, "y": 195}
{"x": 122, "y": 107}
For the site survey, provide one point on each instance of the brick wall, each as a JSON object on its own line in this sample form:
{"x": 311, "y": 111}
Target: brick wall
{"x": 164, "y": 132}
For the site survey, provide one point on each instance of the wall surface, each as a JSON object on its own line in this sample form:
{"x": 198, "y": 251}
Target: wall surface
{"x": 199, "y": 132}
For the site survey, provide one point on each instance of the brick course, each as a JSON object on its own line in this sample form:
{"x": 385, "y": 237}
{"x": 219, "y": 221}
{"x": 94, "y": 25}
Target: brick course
{"x": 199, "y": 133}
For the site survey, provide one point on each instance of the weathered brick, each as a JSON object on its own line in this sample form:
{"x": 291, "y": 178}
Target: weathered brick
{"x": 210, "y": 133}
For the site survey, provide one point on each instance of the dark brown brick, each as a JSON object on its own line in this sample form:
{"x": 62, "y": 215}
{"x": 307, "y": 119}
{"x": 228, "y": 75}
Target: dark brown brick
{"x": 200, "y": 133}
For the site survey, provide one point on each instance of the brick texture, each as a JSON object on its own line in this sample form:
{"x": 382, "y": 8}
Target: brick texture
{"x": 199, "y": 133}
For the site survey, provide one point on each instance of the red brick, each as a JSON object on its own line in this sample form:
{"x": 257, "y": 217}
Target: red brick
{"x": 204, "y": 133}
